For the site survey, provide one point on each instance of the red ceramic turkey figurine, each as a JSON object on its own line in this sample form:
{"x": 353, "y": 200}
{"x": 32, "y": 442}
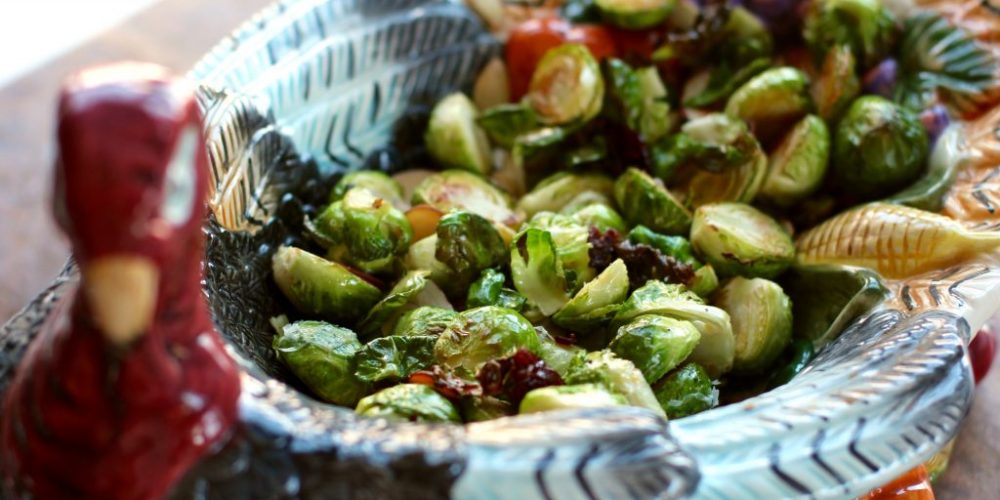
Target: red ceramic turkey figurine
{"x": 128, "y": 384}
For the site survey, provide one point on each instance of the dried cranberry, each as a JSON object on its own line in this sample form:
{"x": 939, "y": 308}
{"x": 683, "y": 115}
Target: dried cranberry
{"x": 644, "y": 262}
{"x": 513, "y": 377}
{"x": 445, "y": 383}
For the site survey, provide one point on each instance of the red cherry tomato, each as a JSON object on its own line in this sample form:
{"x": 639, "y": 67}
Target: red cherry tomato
{"x": 914, "y": 485}
{"x": 530, "y": 40}
{"x": 982, "y": 350}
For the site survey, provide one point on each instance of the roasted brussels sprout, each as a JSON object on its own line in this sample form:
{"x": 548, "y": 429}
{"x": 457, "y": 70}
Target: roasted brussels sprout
{"x": 655, "y": 344}
{"x": 761, "y": 316}
{"x": 637, "y": 99}
{"x": 556, "y": 191}
{"x": 322, "y": 357}
{"x": 468, "y": 244}
{"x": 738, "y": 239}
{"x": 423, "y": 321}
{"x": 318, "y": 287}
{"x": 600, "y": 216}
{"x": 635, "y": 14}
{"x": 571, "y": 240}
{"x": 771, "y": 100}
{"x": 506, "y": 122}
{"x": 705, "y": 281}
{"x": 567, "y": 87}
{"x": 482, "y": 334}
{"x": 618, "y": 375}
{"x": 677, "y": 247}
{"x": 864, "y": 25}
{"x": 686, "y": 391}
{"x": 488, "y": 290}
{"x": 643, "y": 200}
{"x": 797, "y": 167}
{"x": 388, "y": 309}
{"x": 408, "y": 403}
{"x": 454, "y": 139}
{"x": 537, "y": 271}
{"x": 394, "y": 358}
{"x": 380, "y": 184}
{"x": 569, "y": 397}
{"x": 460, "y": 190}
{"x": 483, "y": 408}
{"x": 555, "y": 355}
{"x": 715, "y": 351}
{"x": 879, "y": 148}
{"x": 837, "y": 84}
{"x": 597, "y": 302}
{"x": 421, "y": 257}
{"x": 364, "y": 231}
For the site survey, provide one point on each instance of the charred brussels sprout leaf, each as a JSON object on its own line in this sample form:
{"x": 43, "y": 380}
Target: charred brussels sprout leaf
{"x": 482, "y": 334}
{"x": 364, "y": 231}
{"x": 467, "y": 244}
{"x": 380, "y": 184}
{"x": 488, "y": 290}
{"x": 686, "y": 391}
{"x": 798, "y": 165}
{"x": 864, "y": 25}
{"x": 566, "y": 87}
{"x": 458, "y": 190}
{"x": 715, "y": 351}
{"x": 645, "y": 201}
{"x": 537, "y": 271}
{"x": 393, "y": 303}
{"x": 454, "y": 139}
{"x": 506, "y": 122}
{"x": 394, "y": 358}
{"x": 738, "y": 239}
{"x": 761, "y": 315}
{"x": 424, "y": 320}
{"x": 655, "y": 344}
{"x": 556, "y": 191}
{"x": 569, "y": 397}
{"x": 597, "y": 302}
{"x": 617, "y": 375}
{"x": 318, "y": 287}
{"x": 879, "y": 148}
{"x": 408, "y": 403}
{"x": 322, "y": 356}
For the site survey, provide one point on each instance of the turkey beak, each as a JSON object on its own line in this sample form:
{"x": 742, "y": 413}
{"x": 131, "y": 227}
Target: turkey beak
{"x": 121, "y": 292}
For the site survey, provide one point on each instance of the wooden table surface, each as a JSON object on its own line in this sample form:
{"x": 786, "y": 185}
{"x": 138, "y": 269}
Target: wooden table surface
{"x": 175, "y": 33}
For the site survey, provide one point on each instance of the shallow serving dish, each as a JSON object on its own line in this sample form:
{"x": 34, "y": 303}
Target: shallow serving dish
{"x": 309, "y": 88}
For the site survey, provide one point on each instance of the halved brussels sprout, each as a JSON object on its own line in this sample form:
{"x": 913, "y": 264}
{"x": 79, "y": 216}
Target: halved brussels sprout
{"x": 635, "y": 14}
{"x": 571, "y": 240}
{"x": 644, "y": 200}
{"x": 879, "y": 148}
{"x": 798, "y": 165}
{"x": 318, "y": 287}
{"x": 837, "y": 84}
{"x": 569, "y": 397}
{"x": 483, "y": 408}
{"x": 482, "y": 334}
{"x": 460, "y": 190}
{"x": 618, "y": 375}
{"x": 424, "y": 321}
{"x": 468, "y": 244}
{"x": 597, "y": 302}
{"x": 637, "y": 99}
{"x": 506, "y": 122}
{"x": 715, "y": 351}
{"x": 364, "y": 231}
{"x": 566, "y": 87}
{"x": 454, "y": 139}
{"x": 600, "y": 216}
{"x": 380, "y": 184}
{"x": 864, "y": 25}
{"x": 556, "y": 191}
{"x": 714, "y": 142}
{"x": 771, "y": 100}
{"x": 408, "y": 403}
{"x": 761, "y": 315}
{"x": 655, "y": 344}
{"x": 537, "y": 271}
{"x": 557, "y": 356}
{"x": 686, "y": 391}
{"x": 738, "y": 239}
{"x": 322, "y": 357}
{"x": 394, "y": 358}
{"x": 382, "y": 314}
{"x": 488, "y": 290}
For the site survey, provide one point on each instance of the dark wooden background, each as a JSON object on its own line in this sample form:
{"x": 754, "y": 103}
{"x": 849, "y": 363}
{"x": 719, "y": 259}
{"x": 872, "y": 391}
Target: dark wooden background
{"x": 175, "y": 33}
